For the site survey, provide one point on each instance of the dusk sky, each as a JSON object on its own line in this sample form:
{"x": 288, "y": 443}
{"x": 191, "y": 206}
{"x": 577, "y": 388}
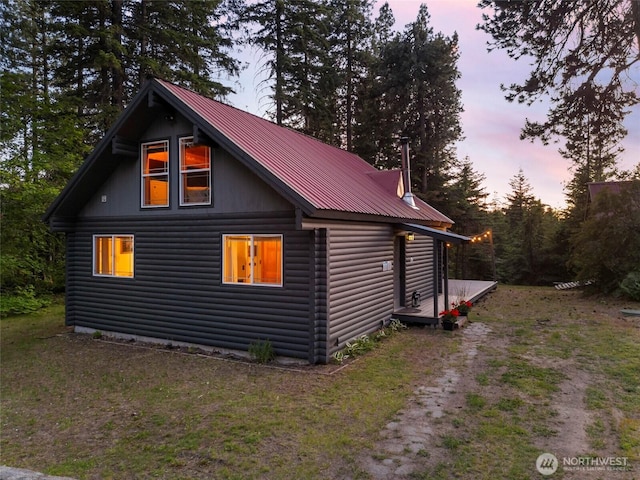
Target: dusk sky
{"x": 491, "y": 125}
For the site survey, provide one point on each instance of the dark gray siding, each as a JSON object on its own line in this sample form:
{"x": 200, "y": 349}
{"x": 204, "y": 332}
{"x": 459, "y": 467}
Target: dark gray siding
{"x": 234, "y": 187}
{"x": 177, "y": 292}
{"x": 361, "y": 293}
{"x": 319, "y": 347}
{"x": 419, "y": 267}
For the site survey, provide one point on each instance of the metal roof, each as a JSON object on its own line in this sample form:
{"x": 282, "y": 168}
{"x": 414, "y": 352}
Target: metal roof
{"x": 327, "y": 178}
{"x": 445, "y": 236}
{"x": 613, "y": 187}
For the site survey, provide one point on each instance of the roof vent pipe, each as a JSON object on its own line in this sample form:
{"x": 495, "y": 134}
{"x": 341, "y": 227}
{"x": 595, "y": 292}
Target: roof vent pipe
{"x": 406, "y": 174}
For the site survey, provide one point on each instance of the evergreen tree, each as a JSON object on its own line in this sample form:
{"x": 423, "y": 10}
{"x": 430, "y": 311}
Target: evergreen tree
{"x": 68, "y": 69}
{"x": 293, "y": 37}
{"x": 607, "y": 246}
{"x": 575, "y": 46}
{"x": 412, "y": 90}
{"x": 466, "y": 199}
{"x": 516, "y": 266}
{"x": 376, "y": 134}
{"x": 592, "y": 134}
{"x": 350, "y": 36}
{"x": 435, "y": 105}
{"x": 40, "y": 146}
{"x": 89, "y": 71}
{"x": 185, "y": 42}
{"x": 530, "y": 253}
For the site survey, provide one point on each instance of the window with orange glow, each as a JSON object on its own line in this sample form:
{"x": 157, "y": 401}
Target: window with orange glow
{"x": 155, "y": 174}
{"x": 113, "y": 255}
{"x": 252, "y": 259}
{"x": 195, "y": 173}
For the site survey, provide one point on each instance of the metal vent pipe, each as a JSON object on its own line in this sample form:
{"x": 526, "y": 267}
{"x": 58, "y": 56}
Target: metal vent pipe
{"x": 406, "y": 174}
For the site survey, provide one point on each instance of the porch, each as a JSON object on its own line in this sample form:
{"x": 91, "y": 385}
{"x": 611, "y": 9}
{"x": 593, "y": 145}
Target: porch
{"x": 428, "y": 313}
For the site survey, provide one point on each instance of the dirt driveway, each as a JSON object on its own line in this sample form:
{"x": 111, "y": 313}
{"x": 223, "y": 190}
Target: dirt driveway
{"x": 508, "y": 379}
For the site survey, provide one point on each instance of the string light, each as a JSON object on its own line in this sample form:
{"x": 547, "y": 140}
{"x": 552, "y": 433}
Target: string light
{"x": 481, "y": 236}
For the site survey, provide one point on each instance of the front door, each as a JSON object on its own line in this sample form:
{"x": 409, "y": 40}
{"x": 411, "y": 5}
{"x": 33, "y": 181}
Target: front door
{"x": 399, "y": 272}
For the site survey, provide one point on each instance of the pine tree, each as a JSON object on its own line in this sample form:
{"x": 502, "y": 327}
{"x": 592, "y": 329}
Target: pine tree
{"x": 351, "y": 32}
{"x": 575, "y": 46}
{"x": 186, "y": 42}
{"x": 607, "y": 246}
{"x": 465, "y": 201}
{"x": 293, "y": 38}
{"x": 412, "y": 91}
{"x": 68, "y": 70}
{"x": 40, "y": 147}
{"x": 530, "y": 252}
{"x": 375, "y": 129}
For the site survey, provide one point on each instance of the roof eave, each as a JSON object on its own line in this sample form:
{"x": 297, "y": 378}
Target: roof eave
{"x": 88, "y": 162}
{"x": 368, "y": 217}
{"x": 442, "y": 235}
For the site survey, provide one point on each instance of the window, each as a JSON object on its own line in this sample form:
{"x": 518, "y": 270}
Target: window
{"x": 252, "y": 259}
{"x": 113, "y": 255}
{"x": 195, "y": 173}
{"x": 155, "y": 174}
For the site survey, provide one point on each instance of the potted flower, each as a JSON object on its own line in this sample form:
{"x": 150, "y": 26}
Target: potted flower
{"x": 448, "y": 318}
{"x": 463, "y": 307}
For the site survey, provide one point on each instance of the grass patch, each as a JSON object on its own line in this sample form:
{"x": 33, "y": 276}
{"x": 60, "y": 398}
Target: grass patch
{"x": 475, "y": 402}
{"x": 630, "y": 437}
{"x": 531, "y": 380}
{"x": 121, "y": 412}
{"x": 595, "y": 398}
{"x": 75, "y": 406}
{"x": 523, "y": 379}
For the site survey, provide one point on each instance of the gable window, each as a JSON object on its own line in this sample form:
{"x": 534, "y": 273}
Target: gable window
{"x": 155, "y": 174}
{"x": 252, "y": 259}
{"x": 195, "y": 173}
{"x": 113, "y": 255}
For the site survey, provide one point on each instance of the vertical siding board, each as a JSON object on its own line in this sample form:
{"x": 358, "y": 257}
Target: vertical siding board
{"x": 177, "y": 292}
{"x": 419, "y": 267}
{"x": 360, "y": 293}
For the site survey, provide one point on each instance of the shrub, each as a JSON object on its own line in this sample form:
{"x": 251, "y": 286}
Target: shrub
{"x": 262, "y": 351}
{"x": 23, "y": 300}
{"x": 630, "y": 286}
{"x": 365, "y": 343}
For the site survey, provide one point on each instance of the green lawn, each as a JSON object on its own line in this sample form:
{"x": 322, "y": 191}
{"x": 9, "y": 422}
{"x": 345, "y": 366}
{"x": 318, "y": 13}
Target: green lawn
{"x": 81, "y": 407}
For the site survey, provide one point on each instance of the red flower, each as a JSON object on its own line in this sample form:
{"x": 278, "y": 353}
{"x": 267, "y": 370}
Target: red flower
{"x": 450, "y": 313}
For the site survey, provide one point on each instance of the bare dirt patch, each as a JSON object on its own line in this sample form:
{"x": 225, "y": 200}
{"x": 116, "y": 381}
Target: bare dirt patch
{"x": 412, "y": 440}
{"x": 529, "y": 377}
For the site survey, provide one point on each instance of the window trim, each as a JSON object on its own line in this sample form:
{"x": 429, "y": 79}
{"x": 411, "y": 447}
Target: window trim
{"x": 143, "y": 175}
{"x": 189, "y": 139}
{"x": 130, "y": 237}
{"x": 252, "y": 237}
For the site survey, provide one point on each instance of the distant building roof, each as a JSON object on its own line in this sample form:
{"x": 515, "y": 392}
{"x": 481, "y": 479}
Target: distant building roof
{"x": 611, "y": 187}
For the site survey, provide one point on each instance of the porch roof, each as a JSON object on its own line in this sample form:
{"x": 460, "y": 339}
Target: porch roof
{"x": 448, "y": 237}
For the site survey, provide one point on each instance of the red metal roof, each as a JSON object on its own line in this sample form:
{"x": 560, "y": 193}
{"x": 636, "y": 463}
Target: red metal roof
{"x": 613, "y": 187}
{"x": 326, "y": 177}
